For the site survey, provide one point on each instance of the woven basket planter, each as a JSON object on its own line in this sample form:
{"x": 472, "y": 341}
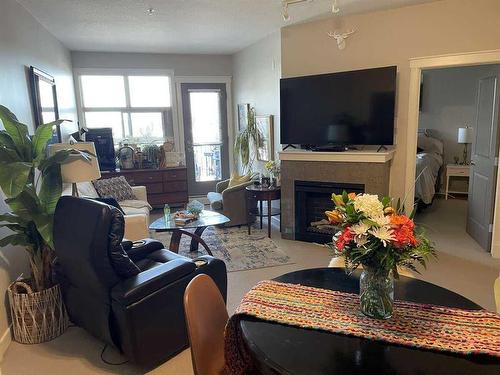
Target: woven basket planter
{"x": 36, "y": 317}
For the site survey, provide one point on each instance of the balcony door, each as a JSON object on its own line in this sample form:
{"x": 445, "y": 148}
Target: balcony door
{"x": 204, "y": 111}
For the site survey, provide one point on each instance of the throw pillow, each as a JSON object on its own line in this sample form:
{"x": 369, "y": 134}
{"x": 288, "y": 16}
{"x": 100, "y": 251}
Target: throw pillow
{"x": 115, "y": 187}
{"x": 237, "y": 180}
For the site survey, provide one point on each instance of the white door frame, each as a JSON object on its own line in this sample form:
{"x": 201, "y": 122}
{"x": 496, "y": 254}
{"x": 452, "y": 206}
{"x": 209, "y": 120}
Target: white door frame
{"x": 179, "y": 127}
{"x": 417, "y": 65}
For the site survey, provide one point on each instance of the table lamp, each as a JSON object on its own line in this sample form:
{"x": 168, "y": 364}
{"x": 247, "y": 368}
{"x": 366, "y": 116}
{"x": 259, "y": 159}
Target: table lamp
{"x": 465, "y": 137}
{"x": 76, "y": 169}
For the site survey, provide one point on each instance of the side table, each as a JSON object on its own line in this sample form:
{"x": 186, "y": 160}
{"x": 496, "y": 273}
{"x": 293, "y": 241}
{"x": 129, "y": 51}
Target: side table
{"x": 455, "y": 170}
{"x": 261, "y": 194}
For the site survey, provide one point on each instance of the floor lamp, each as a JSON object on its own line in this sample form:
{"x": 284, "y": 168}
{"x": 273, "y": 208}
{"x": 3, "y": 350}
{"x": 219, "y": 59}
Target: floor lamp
{"x": 76, "y": 169}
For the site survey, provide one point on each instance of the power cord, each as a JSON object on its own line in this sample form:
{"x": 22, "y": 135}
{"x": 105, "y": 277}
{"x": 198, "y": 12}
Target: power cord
{"x": 106, "y": 361}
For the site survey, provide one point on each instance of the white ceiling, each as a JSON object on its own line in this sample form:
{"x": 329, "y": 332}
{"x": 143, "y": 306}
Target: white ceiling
{"x": 178, "y": 26}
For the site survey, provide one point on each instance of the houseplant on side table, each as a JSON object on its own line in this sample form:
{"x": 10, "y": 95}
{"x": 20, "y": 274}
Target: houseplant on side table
{"x": 31, "y": 184}
{"x": 381, "y": 238}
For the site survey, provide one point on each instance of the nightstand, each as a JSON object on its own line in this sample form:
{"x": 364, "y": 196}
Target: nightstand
{"x": 456, "y": 170}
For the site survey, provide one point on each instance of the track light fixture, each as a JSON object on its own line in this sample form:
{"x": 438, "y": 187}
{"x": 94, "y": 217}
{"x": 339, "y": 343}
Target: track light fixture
{"x": 286, "y": 3}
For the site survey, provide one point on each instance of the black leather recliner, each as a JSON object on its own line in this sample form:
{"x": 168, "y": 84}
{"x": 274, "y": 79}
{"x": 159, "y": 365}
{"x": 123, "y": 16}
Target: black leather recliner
{"x": 143, "y": 314}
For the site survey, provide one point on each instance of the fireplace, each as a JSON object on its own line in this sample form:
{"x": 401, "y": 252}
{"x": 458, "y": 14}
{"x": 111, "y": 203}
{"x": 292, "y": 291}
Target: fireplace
{"x": 312, "y": 199}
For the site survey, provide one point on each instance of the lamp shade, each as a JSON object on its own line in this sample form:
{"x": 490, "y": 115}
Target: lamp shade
{"x": 77, "y": 169}
{"x": 465, "y": 135}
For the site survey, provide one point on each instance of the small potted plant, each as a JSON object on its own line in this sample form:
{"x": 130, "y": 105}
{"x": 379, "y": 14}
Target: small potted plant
{"x": 31, "y": 183}
{"x": 380, "y": 238}
{"x": 273, "y": 167}
{"x": 195, "y": 208}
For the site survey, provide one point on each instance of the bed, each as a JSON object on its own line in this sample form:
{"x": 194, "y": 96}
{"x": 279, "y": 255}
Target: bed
{"x": 428, "y": 167}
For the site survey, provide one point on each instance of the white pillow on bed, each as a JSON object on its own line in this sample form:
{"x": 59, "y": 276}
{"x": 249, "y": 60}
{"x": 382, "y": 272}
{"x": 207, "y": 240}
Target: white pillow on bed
{"x": 430, "y": 144}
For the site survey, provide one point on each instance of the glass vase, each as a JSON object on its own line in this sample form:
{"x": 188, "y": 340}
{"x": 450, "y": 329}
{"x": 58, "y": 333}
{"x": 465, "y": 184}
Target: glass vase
{"x": 376, "y": 293}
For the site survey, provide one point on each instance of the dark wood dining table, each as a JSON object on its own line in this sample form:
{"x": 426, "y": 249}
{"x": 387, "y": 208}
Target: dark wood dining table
{"x": 282, "y": 349}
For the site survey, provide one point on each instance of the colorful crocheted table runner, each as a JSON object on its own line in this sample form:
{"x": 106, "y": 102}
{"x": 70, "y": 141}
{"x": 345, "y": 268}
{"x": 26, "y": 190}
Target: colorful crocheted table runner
{"x": 415, "y": 325}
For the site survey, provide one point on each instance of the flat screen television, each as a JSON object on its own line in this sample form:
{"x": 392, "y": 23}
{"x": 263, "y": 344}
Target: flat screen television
{"x": 340, "y": 109}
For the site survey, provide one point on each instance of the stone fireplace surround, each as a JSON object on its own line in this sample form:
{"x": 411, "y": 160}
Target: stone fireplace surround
{"x": 373, "y": 173}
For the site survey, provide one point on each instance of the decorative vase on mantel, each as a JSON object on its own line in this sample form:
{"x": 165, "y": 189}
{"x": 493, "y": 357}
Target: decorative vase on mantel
{"x": 376, "y": 293}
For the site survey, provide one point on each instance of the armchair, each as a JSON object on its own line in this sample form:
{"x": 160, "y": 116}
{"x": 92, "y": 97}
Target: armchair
{"x": 128, "y": 296}
{"x": 230, "y": 201}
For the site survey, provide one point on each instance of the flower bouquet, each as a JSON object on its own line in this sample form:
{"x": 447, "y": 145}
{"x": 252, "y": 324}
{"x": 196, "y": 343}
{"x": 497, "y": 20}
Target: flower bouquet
{"x": 381, "y": 238}
{"x": 274, "y": 169}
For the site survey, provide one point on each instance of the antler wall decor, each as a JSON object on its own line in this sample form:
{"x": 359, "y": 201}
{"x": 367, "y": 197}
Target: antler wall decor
{"x": 341, "y": 37}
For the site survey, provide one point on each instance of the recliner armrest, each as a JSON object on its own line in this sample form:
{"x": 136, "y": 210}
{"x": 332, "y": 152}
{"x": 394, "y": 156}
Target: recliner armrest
{"x": 140, "y": 193}
{"x": 139, "y": 252}
{"x": 147, "y": 282}
{"x": 236, "y": 188}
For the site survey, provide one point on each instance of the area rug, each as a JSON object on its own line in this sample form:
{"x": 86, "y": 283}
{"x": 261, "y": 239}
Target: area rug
{"x": 235, "y": 247}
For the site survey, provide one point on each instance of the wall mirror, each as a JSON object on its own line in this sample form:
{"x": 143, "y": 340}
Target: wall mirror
{"x": 44, "y": 99}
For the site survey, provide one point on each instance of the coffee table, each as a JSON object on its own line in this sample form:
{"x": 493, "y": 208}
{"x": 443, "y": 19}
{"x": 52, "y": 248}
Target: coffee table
{"x": 206, "y": 219}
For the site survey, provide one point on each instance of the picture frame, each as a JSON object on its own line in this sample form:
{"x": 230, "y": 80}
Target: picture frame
{"x": 243, "y": 112}
{"x": 266, "y": 125}
{"x": 44, "y": 99}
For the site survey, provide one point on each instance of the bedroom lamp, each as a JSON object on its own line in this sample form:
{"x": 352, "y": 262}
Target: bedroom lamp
{"x": 77, "y": 169}
{"x": 465, "y": 137}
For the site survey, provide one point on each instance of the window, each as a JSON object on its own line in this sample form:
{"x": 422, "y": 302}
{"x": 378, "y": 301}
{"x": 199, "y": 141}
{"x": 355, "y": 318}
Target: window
{"x": 137, "y": 107}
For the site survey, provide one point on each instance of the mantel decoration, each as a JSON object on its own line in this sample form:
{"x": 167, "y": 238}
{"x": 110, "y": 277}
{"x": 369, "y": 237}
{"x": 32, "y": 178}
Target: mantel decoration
{"x": 381, "y": 238}
{"x": 248, "y": 142}
{"x": 31, "y": 183}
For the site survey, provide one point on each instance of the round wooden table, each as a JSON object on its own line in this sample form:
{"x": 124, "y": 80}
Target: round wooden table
{"x": 261, "y": 194}
{"x": 281, "y": 349}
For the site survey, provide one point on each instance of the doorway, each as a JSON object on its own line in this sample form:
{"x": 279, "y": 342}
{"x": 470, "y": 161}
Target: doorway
{"x": 204, "y": 115}
{"x": 485, "y": 190}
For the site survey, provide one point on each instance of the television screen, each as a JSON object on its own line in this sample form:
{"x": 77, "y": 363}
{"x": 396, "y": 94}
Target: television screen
{"x": 348, "y": 108}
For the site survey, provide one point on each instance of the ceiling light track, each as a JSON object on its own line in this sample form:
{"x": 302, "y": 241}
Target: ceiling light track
{"x": 286, "y": 3}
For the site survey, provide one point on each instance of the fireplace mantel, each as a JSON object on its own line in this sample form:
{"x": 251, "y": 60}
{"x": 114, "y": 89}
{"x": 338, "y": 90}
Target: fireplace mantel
{"x": 361, "y": 156}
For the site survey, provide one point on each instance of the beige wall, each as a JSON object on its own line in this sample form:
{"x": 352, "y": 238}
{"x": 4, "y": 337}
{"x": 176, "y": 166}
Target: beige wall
{"x": 24, "y": 42}
{"x": 392, "y": 37}
{"x": 182, "y": 65}
{"x": 256, "y": 76}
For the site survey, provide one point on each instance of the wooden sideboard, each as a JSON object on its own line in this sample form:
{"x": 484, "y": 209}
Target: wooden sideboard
{"x": 163, "y": 185}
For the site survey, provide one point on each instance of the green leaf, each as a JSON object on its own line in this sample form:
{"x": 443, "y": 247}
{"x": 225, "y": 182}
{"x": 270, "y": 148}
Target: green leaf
{"x": 9, "y": 217}
{"x": 44, "y": 225}
{"x": 345, "y": 196}
{"x": 6, "y": 140}
{"x": 15, "y": 240}
{"x": 386, "y": 201}
{"x": 25, "y": 205}
{"x": 17, "y": 131}
{"x": 13, "y": 177}
{"x": 42, "y": 135}
{"x": 8, "y": 155}
{"x": 370, "y": 222}
{"x": 14, "y": 227}
{"x": 51, "y": 188}
{"x": 413, "y": 212}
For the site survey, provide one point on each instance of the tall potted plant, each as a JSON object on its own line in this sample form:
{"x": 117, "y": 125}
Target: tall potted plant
{"x": 31, "y": 183}
{"x": 248, "y": 142}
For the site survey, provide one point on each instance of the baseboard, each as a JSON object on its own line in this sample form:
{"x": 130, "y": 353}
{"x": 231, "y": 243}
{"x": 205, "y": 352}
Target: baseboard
{"x": 5, "y": 341}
